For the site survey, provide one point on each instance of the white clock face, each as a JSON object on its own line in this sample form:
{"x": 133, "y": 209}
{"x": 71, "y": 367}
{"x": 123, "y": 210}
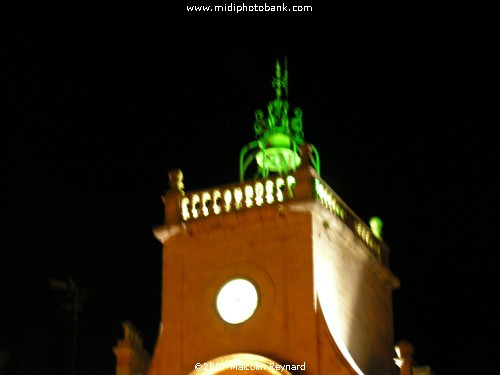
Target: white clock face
{"x": 237, "y": 301}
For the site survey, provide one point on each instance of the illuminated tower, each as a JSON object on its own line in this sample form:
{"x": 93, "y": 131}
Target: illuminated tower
{"x": 275, "y": 270}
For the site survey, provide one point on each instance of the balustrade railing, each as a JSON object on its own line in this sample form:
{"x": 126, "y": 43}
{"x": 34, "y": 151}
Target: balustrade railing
{"x": 337, "y": 207}
{"x": 235, "y": 197}
{"x": 257, "y": 193}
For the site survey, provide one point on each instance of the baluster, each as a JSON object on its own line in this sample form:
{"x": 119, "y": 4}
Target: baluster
{"x": 238, "y": 198}
{"x": 280, "y": 184}
{"x": 205, "y": 203}
{"x": 269, "y": 192}
{"x": 195, "y": 205}
{"x": 186, "y": 215}
{"x": 290, "y": 183}
{"x": 259, "y": 193}
{"x": 228, "y": 198}
{"x": 216, "y": 202}
{"x": 248, "y": 196}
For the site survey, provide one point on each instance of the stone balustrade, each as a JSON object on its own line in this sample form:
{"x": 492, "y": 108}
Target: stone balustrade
{"x": 261, "y": 192}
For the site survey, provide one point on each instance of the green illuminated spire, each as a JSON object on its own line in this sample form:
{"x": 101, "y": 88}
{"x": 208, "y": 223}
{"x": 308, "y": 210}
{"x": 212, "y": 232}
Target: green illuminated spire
{"x": 278, "y": 135}
{"x": 278, "y": 82}
{"x": 277, "y": 124}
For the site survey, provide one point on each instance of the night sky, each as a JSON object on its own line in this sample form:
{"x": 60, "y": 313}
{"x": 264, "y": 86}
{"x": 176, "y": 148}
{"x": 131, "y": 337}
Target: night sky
{"x": 99, "y": 103}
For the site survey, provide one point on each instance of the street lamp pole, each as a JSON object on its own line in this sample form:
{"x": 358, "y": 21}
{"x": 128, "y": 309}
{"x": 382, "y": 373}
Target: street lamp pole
{"x": 70, "y": 286}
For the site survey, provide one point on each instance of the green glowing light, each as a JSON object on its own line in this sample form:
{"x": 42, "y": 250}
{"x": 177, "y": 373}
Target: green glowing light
{"x": 277, "y": 159}
{"x": 278, "y": 140}
{"x": 376, "y": 227}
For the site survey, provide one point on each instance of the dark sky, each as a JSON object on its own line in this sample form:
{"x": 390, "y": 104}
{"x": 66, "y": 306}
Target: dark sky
{"x": 99, "y": 103}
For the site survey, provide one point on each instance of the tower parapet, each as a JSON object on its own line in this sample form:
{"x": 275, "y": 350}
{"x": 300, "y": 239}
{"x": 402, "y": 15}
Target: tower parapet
{"x": 276, "y": 190}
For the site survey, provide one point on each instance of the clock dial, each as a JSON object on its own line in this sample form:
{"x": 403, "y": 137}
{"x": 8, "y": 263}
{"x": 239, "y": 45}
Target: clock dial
{"x": 237, "y": 301}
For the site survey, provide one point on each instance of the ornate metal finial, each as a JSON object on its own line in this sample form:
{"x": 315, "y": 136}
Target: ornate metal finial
{"x": 278, "y": 136}
{"x": 278, "y": 120}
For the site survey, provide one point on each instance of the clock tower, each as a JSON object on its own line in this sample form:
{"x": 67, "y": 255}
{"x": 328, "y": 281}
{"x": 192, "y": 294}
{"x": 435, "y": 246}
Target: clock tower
{"x": 274, "y": 274}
